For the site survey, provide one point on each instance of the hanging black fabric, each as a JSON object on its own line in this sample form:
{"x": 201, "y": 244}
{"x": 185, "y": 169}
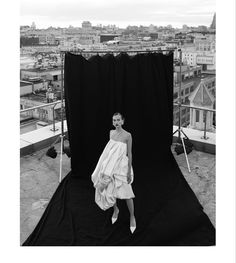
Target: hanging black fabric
{"x": 167, "y": 211}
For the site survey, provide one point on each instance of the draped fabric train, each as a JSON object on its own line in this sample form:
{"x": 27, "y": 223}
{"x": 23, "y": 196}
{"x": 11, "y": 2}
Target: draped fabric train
{"x": 110, "y": 175}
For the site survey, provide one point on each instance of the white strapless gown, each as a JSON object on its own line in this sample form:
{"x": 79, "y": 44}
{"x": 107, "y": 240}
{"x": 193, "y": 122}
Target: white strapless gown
{"x": 110, "y": 175}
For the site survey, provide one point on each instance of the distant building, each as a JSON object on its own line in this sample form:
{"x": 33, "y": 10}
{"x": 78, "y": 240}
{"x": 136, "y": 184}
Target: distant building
{"x": 48, "y": 75}
{"x": 202, "y": 28}
{"x": 152, "y": 28}
{"x": 185, "y": 28}
{"x": 205, "y": 45}
{"x": 33, "y": 26}
{"x": 204, "y": 59}
{"x": 200, "y": 53}
{"x": 36, "y": 92}
{"x": 108, "y": 37}
{"x": 201, "y": 97}
{"x": 190, "y": 58}
{"x": 42, "y": 114}
{"x": 154, "y": 36}
{"x": 172, "y": 44}
{"x": 29, "y": 41}
{"x": 31, "y": 86}
{"x": 86, "y": 25}
{"x": 24, "y": 29}
{"x": 207, "y": 61}
{"x": 191, "y": 78}
{"x": 213, "y": 24}
{"x": 88, "y": 38}
{"x": 187, "y": 72}
{"x": 77, "y": 41}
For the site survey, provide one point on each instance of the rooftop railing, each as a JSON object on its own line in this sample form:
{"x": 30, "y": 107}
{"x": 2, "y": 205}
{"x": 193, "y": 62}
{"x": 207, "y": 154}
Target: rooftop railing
{"x": 205, "y": 110}
{"x": 45, "y": 105}
{"x": 53, "y": 104}
{"x": 41, "y": 106}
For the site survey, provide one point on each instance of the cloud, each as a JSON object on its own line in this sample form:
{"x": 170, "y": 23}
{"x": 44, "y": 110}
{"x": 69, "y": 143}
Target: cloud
{"x": 148, "y": 11}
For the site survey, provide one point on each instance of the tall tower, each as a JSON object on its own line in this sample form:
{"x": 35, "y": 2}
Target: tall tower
{"x": 213, "y": 24}
{"x": 33, "y": 26}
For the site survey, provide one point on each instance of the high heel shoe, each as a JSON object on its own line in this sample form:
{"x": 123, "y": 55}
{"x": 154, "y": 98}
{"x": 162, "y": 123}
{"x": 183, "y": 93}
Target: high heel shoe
{"x": 113, "y": 219}
{"x": 132, "y": 228}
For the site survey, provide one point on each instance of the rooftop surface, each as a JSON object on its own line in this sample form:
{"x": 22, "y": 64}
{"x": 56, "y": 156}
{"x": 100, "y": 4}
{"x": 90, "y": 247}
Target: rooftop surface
{"x": 39, "y": 179}
{"x": 40, "y": 97}
{"x": 58, "y": 68}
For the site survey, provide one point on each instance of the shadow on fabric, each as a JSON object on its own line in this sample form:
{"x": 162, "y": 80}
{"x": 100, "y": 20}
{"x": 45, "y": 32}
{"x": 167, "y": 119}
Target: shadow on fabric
{"x": 167, "y": 211}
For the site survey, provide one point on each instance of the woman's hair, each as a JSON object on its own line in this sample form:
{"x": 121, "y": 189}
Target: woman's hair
{"x": 118, "y": 113}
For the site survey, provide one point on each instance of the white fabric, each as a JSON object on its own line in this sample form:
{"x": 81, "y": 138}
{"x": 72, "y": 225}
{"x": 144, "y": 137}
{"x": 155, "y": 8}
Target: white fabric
{"x": 110, "y": 175}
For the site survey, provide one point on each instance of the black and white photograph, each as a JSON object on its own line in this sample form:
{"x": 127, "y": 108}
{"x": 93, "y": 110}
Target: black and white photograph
{"x": 118, "y": 125}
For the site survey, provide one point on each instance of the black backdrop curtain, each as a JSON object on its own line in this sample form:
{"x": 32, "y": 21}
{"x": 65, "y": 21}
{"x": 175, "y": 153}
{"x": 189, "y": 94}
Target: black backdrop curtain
{"x": 167, "y": 211}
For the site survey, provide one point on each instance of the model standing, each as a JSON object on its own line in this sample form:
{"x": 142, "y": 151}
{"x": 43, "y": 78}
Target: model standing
{"x": 113, "y": 175}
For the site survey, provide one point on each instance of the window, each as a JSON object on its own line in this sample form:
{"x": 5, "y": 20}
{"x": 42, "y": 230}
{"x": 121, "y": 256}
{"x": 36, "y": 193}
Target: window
{"x": 191, "y": 88}
{"x": 186, "y": 100}
{"x": 197, "y": 115}
{"x": 175, "y": 95}
{"x": 55, "y": 78}
{"x": 187, "y": 91}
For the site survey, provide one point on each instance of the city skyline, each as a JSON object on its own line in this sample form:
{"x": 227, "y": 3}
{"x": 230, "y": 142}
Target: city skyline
{"x": 120, "y": 13}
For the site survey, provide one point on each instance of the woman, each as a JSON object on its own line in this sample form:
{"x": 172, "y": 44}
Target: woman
{"x": 113, "y": 174}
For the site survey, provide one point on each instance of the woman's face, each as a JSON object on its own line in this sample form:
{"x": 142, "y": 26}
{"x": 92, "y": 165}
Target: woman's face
{"x": 117, "y": 121}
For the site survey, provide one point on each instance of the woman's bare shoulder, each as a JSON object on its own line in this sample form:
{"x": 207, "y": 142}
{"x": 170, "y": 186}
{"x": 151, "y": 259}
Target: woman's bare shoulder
{"x": 127, "y": 135}
{"x": 111, "y": 132}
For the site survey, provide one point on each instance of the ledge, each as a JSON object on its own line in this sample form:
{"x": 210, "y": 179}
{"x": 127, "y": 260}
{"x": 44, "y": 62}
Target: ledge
{"x": 38, "y": 139}
{"x": 196, "y": 137}
{"x": 41, "y": 138}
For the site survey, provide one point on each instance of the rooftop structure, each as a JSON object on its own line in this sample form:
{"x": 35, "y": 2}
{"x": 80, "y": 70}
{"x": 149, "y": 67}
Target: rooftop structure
{"x": 40, "y": 97}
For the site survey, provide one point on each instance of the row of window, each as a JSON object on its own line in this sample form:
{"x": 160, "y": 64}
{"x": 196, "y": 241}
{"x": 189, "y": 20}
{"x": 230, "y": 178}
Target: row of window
{"x": 187, "y": 92}
{"x": 195, "y": 73}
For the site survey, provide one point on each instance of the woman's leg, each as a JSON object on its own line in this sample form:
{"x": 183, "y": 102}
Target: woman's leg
{"x": 115, "y": 213}
{"x": 130, "y": 205}
{"x": 116, "y": 210}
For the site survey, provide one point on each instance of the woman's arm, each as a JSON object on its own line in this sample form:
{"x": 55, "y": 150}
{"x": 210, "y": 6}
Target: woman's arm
{"x": 111, "y": 131}
{"x": 129, "y": 151}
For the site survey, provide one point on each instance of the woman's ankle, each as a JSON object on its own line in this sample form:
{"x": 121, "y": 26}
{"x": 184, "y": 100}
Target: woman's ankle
{"x": 115, "y": 208}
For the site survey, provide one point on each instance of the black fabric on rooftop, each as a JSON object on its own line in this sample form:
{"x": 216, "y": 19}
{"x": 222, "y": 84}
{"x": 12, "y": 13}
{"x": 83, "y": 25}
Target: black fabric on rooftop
{"x": 167, "y": 211}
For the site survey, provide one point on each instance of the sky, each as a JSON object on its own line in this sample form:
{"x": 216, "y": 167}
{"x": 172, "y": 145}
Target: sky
{"x": 63, "y": 13}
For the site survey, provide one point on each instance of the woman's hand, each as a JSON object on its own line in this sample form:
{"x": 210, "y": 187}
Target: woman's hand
{"x": 129, "y": 177}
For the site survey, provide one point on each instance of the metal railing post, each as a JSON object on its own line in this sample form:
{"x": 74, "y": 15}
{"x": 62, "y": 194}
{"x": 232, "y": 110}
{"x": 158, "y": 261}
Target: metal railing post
{"x": 53, "y": 116}
{"x": 205, "y": 123}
